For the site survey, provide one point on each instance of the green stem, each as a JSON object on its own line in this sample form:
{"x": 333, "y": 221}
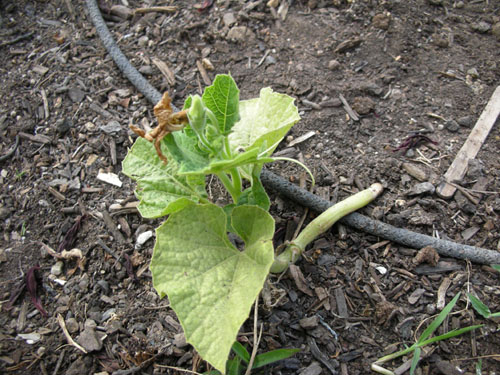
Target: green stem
{"x": 228, "y": 184}
{"x": 236, "y": 177}
{"x": 323, "y": 223}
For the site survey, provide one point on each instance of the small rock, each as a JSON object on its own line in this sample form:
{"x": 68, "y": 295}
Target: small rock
{"x": 89, "y": 338}
{"x": 270, "y": 60}
{"x": 57, "y": 268}
{"x": 466, "y": 121}
{"x": 313, "y": 369}
{"x": 76, "y": 95}
{"x": 143, "y": 238}
{"x": 147, "y": 70}
{"x": 440, "y": 40}
{"x": 452, "y": 126}
{"x": 3, "y": 256}
{"x": 371, "y": 88}
{"x": 72, "y": 325}
{"x": 495, "y": 30}
{"x": 363, "y": 105}
{"x": 436, "y": 2}
{"x": 143, "y": 41}
{"x": 77, "y": 367}
{"x": 310, "y": 322}
{"x": 229, "y": 19}
{"x": 240, "y": 34}
{"x": 473, "y": 73}
{"x": 30, "y": 338}
{"x": 180, "y": 340}
{"x": 63, "y": 126}
{"x": 481, "y": 27}
{"x": 111, "y": 127}
{"x": 381, "y": 21}
{"x": 122, "y": 11}
{"x": 104, "y": 285}
{"x": 333, "y": 65}
{"x": 415, "y": 296}
{"x": 424, "y": 187}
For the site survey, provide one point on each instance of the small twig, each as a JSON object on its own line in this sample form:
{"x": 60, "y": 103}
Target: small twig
{"x": 108, "y": 250}
{"x": 70, "y": 340}
{"x": 11, "y": 152}
{"x": 177, "y": 369}
{"x": 164, "y": 9}
{"x": 59, "y": 362}
{"x": 17, "y": 39}
{"x": 256, "y": 339}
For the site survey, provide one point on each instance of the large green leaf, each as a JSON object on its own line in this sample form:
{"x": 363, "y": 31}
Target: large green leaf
{"x": 263, "y": 120}
{"x": 211, "y": 284}
{"x": 160, "y": 188}
{"x": 222, "y": 98}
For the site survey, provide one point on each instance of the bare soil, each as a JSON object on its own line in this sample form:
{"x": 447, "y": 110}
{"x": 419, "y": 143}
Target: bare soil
{"x": 423, "y": 67}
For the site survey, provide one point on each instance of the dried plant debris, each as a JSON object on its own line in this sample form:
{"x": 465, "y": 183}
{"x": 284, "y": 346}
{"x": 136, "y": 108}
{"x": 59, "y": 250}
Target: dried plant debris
{"x": 168, "y": 122}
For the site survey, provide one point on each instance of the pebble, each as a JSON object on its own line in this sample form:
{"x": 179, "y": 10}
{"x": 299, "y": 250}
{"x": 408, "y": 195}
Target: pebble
{"x": 363, "y": 105}
{"x": 436, "y": 2}
{"x": 333, "y": 65}
{"x": 414, "y": 171}
{"x": 452, "y": 126}
{"x": 270, "y": 60}
{"x": 143, "y": 238}
{"x": 180, "y": 340}
{"x": 76, "y": 95}
{"x": 63, "y": 126}
{"x": 143, "y": 41}
{"x": 313, "y": 369}
{"x": 57, "y": 268}
{"x": 72, "y": 325}
{"x": 147, "y": 70}
{"x": 89, "y": 339}
{"x": 240, "y": 34}
{"x": 440, "y": 40}
{"x": 424, "y": 187}
{"x": 371, "y": 88}
{"x": 481, "y": 27}
{"x": 229, "y": 19}
{"x": 111, "y": 127}
{"x": 104, "y": 285}
{"x": 309, "y": 322}
{"x": 473, "y": 73}
{"x": 381, "y": 21}
{"x": 466, "y": 121}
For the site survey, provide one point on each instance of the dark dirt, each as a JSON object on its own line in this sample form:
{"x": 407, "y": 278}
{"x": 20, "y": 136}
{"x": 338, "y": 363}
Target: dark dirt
{"x": 420, "y": 67}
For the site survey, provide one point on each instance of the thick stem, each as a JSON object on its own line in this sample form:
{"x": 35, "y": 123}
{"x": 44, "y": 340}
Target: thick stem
{"x": 228, "y": 184}
{"x": 236, "y": 177}
{"x": 323, "y": 223}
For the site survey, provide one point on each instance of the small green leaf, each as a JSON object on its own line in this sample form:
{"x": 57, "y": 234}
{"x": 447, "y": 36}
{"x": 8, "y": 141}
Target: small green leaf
{"x": 496, "y": 267}
{"x": 416, "y": 358}
{"x": 480, "y": 307}
{"x": 273, "y": 356}
{"x": 255, "y": 194}
{"x": 222, "y": 98}
{"x": 439, "y": 319}
{"x": 212, "y": 285}
{"x": 264, "y": 120}
{"x": 448, "y": 335}
{"x": 240, "y": 351}
{"x": 233, "y": 366}
{"x": 159, "y": 187}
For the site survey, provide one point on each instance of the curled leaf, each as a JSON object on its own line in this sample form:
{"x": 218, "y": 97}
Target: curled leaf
{"x": 31, "y": 284}
{"x": 168, "y": 122}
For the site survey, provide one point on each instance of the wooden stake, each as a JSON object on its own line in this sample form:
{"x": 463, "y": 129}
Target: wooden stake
{"x": 471, "y": 147}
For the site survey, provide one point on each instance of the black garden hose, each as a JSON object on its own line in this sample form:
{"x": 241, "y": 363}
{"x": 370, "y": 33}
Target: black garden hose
{"x": 293, "y": 192}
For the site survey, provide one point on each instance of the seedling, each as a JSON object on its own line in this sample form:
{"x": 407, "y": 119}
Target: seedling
{"x": 212, "y": 284}
{"x": 480, "y": 307}
{"x": 424, "y": 340}
{"x": 238, "y": 365}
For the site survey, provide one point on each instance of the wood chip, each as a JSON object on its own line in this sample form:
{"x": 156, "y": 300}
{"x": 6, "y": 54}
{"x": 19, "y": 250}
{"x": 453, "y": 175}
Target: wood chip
{"x": 204, "y": 75}
{"x": 352, "y": 114}
{"x": 302, "y": 138}
{"x": 441, "y": 294}
{"x": 300, "y": 280}
{"x": 469, "y": 150}
{"x": 341, "y": 303}
{"x": 165, "y": 70}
